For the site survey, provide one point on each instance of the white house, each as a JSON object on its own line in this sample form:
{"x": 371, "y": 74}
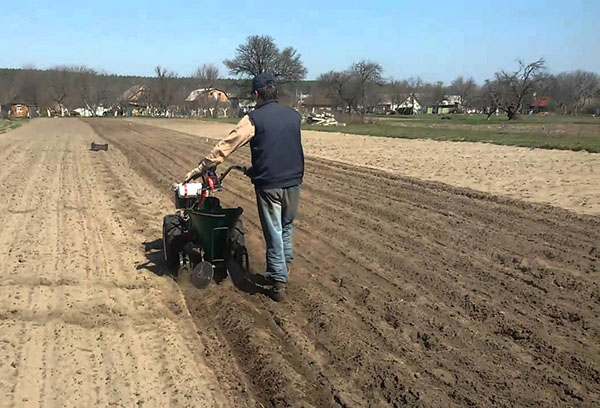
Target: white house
{"x": 410, "y": 106}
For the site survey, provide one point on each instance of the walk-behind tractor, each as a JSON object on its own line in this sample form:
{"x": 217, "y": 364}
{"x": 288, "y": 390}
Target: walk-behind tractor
{"x": 202, "y": 238}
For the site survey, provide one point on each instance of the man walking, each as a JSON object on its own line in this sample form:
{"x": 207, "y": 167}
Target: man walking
{"x": 277, "y": 170}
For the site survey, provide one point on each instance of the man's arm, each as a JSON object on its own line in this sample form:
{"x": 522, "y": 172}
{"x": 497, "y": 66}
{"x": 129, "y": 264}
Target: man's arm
{"x": 240, "y": 135}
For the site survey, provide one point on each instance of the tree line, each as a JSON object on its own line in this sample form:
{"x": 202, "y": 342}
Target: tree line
{"x": 360, "y": 89}
{"x": 83, "y": 87}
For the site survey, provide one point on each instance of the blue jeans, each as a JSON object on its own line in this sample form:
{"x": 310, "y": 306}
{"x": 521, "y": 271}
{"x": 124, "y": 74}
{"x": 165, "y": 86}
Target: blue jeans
{"x": 277, "y": 208}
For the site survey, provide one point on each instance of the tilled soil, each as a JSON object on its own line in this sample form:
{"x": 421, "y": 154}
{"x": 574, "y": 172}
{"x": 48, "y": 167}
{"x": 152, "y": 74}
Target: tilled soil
{"x": 403, "y": 293}
{"x": 80, "y": 324}
{"x": 559, "y": 178}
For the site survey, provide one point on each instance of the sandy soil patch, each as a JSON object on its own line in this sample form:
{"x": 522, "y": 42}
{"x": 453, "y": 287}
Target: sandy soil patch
{"x": 82, "y": 323}
{"x": 565, "y": 179}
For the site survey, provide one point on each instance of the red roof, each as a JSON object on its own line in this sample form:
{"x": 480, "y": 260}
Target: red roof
{"x": 543, "y": 101}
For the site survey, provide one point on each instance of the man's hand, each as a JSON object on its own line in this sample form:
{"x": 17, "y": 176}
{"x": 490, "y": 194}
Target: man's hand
{"x": 194, "y": 173}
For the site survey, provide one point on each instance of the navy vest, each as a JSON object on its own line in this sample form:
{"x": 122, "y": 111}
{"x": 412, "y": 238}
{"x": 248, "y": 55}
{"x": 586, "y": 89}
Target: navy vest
{"x": 277, "y": 156}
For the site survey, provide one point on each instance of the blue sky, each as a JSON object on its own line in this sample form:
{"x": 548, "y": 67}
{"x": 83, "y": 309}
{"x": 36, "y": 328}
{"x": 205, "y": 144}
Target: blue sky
{"x": 430, "y": 39}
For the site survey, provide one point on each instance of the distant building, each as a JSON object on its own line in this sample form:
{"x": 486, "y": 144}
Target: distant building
{"x": 207, "y": 94}
{"x": 541, "y": 105}
{"x": 385, "y": 106}
{"x": 19, "y": 110}
{"x": 449, "y": 104}
{"x": 241, "y": 104}
{"x": 316, "y": 102}
{"x": 410, "y": 106}
{"x": 89, "y": 112}
{"x": 135, "y": 99}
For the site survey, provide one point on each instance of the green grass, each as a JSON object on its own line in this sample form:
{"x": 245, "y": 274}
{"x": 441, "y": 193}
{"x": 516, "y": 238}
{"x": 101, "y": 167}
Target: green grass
{"x": 459, "y": 119}
{"x": 6, "y": 125}
{"x": 494, "y": 136}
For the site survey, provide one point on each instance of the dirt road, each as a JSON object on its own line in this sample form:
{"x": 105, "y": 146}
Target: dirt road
{"x": 404, "y": 293}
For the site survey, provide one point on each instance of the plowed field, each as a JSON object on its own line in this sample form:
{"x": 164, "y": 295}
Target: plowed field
{"x": 404, "y": 293}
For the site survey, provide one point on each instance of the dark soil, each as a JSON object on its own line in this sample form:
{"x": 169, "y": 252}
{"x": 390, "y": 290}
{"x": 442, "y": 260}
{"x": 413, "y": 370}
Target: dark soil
{"x": 404, "y": 293}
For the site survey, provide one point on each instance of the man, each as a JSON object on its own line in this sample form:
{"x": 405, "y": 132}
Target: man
{"x": 277, "y": 170}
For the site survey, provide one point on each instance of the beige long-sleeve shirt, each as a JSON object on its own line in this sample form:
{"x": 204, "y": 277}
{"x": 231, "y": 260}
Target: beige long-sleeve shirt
{"x": 239, "y": 136}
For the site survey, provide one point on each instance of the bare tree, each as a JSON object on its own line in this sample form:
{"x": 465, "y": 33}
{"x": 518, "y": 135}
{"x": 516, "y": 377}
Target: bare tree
{"x": 26, "y": 86}
{"x": 574, "y": 89}
{"x": 260, "y": 54}
{"x": 415, "y": 85}
{"x": 340, "y": 89}
{"x": 405, "y": 90}
{"x": 166, "y": 87}
{"x": 91, "y": 87}
{"x": 355, "y": 89}
{"x": 367, "y": 76}
{"x": 399, "y": 91}
{"x": 509, "y": 90}
{"x": 207, "y": 75}
{"x": 58, "y": 85}
{"x": 8, "y": 89}
{"x": 436, "y": 93}
{"x": 465, "y": 88}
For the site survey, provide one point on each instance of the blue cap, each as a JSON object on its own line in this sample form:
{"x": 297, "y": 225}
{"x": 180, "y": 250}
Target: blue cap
{"x": 262, "y": 80}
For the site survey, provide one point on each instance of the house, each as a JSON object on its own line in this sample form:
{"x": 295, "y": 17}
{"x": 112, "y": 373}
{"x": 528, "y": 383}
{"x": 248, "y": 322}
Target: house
{"x": 208, "y": 94}
{"x": 19, "y": 110}
{"x": 448, "y": 104}
{"x": 135, "y": 99}
{"x": 410, "y": 106}
{"x": 241, "y": 102}
{"x": 213, "y": 102}
{"x": 541, "y": 105}
{"x": 316, "y": 102}
{"x": 385, "y": 106}
{"x": 89, "y": 112}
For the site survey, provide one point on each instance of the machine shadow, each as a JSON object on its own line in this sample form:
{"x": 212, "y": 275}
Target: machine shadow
{"x": 153, "y": 251}
{"x": 243, "y": 280}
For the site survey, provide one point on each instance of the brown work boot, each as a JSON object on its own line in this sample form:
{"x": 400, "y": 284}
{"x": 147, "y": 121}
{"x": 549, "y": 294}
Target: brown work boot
{"x": 277, "y": 291}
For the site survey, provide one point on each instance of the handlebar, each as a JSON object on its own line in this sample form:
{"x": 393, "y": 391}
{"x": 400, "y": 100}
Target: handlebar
{"x": 214, "y": 182}
{"x": 241, "y": 169}
{"x": 211, "y": 182}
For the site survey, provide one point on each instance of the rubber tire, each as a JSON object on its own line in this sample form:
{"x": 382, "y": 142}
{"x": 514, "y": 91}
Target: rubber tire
{"x": 237, "y": 245}
{"x": 173, "y": 228}
{"x": 236, "y": 235}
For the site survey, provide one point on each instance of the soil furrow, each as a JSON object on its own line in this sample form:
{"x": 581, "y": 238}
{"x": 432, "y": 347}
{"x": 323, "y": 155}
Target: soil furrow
{"x": 404, "y": 292}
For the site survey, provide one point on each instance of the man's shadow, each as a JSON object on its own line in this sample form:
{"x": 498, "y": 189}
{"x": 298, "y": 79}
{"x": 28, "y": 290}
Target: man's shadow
{"x": 244, "y": 280}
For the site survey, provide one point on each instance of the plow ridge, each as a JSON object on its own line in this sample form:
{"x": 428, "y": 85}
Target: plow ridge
{"x": 404, "y": 292}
